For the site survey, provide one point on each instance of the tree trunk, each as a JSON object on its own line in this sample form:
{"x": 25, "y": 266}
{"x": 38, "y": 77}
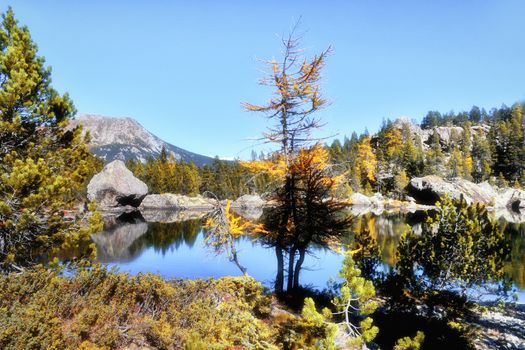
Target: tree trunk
{"x": 279, "y": 278}
{"x": 298, "y": 266}
{"x": 291, "y": 260}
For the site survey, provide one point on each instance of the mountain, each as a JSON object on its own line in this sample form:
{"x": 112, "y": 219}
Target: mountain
{"x": 124, "y": 138}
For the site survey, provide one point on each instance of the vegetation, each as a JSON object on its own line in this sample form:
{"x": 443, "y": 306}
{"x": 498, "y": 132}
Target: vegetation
{"x": 459, "y": 255}
{"x": 43, "y": 165}
{"x": 481, "y": 146}
{"x": 305, "y": 209}
{"x": 166, "y": 175}
{"x": 461, "y": 252}
{"x": 355, "y": 303}
{"x": 479, "y": 149}
{"x": 97, "y": 308}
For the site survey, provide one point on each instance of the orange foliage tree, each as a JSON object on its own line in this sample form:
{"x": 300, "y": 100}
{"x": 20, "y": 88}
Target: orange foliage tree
{"x": 304, "y": 210}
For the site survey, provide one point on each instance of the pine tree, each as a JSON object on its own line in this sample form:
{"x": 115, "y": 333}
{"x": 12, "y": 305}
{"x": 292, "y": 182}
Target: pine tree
{"x": 481, "y": 158}
{"x": 434, "y": 157}
{"x": 460, "y": 250}
{"x": 366, "y": 163}
{"x": 466, "y": 146}
{"x": 43, "y": 166}
{"x": 356, "y": 302}
{"x": 401, "y": 181}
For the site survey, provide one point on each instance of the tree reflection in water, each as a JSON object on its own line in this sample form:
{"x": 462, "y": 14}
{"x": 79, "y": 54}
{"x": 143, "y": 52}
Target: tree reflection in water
{"x": 124, "y": 242}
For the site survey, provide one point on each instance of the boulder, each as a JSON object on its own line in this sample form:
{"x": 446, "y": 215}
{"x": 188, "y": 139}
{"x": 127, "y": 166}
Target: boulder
{"x": 175, "y": 201}
{"x": 116, "y": 186}
{"x": 249, "y": 201}
{"x": 429, "y": 190}
{"x": 169, "y": 216}
{"x": 360, "y": 200}
{"x": 511, "y": 199}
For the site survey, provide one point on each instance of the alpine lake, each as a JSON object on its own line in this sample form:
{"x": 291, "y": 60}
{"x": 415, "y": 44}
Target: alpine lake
{"x": 173, "y": 245}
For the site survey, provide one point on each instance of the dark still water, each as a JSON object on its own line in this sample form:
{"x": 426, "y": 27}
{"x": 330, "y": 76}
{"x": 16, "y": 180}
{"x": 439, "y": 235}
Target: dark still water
{"x": 176, "y": 249}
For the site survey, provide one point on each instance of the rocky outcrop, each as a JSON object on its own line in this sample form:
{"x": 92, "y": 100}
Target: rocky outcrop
{"x": 169, "y": 216}
{"x": 511, "y": 198}
{"x": 377, "y": 204}
{"x": 360, "y": 200}
{"x": 172, "y": 201}
{"x": 115, "y": 186}
{"x": 248, "y": 201}
{"x": 430, "y": 189}
{"x": 249, "y": 206}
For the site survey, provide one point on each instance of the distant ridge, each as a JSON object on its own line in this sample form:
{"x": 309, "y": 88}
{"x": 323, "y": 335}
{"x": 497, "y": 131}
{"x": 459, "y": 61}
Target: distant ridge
{"x": 124, "y": 138}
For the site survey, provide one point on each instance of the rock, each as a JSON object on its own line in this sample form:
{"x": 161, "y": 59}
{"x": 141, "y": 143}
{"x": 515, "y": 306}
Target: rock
{"x": 377, "y": 200}
{"x": 175, "y": 201}
{"x": 169, "y": 216}
{"x": 430, "y": 189}
{"x": 360, "y": 200}
{"x": 116, "y": 186}
{"x": 510, "y": 198}
{"x": 248, "y": 201}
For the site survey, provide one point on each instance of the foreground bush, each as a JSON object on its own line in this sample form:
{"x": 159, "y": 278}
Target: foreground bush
{"x": 102, "y": 309}
{"x": 42, "y": 310}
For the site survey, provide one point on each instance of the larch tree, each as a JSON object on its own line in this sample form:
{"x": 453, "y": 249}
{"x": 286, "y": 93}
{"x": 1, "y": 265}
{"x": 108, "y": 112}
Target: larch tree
{"x": 304, "y": 194}
{"x": 43, "y": 165}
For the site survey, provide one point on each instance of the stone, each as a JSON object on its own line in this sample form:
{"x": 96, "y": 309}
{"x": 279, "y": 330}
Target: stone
{"x": 166, "y": 216}
{"x": 360, "y": 200}
{"x": 249, "y": 201}
{"x": 116, "y": 186}
{"x": 175, "y": 201}
{"x": 430, "y": 189}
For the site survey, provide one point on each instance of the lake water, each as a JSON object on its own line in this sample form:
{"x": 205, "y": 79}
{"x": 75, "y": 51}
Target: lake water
{"x": 178, "y": 250}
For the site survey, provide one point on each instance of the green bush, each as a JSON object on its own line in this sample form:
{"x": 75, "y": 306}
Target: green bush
{"x": 99, "y": 308}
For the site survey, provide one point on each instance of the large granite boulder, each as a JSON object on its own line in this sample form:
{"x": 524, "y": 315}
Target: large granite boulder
{"x": 511, "y": 198}
{"x": 175, "y": 202}
{"x": 430, "y": 189}
{"x": 248, "y": 201}
{"x": 116, "y": 186}
{"x": 360, "y": 200}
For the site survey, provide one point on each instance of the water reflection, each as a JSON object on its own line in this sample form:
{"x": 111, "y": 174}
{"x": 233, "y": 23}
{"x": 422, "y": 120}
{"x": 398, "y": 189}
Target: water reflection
{"x": 176, "y": 248}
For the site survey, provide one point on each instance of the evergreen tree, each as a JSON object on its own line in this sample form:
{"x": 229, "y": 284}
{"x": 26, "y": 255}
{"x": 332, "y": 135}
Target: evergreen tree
{"x": 43, "y": 166}
{"x": 356, "y": 302}
{"x": 461, "y": 251}
{"x": 481, "y": 158}
{"x": 434, "y": 157}
{"x": 366, "y": 164}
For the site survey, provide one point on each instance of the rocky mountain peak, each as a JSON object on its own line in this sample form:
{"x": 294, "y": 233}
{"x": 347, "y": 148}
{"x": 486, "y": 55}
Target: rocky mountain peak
{"x": 124, "y": 138}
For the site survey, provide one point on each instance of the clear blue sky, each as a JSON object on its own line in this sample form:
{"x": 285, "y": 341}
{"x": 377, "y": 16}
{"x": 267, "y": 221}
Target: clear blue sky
{"x": 182, "y": 68}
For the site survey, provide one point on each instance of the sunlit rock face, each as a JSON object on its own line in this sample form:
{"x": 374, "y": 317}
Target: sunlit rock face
{"x": 116, "y": 186}
{"x": 174, "y": 201}
{"x": 124, "y": 138}
{"x": 170, "y": 216}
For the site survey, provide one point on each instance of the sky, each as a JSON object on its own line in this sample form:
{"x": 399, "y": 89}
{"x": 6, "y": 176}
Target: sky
{"x": 183, "y": 68}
